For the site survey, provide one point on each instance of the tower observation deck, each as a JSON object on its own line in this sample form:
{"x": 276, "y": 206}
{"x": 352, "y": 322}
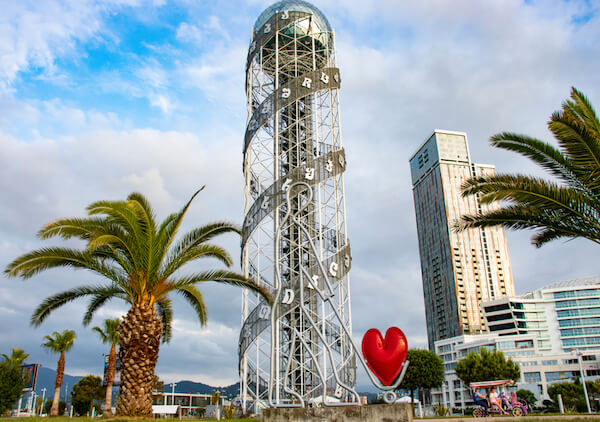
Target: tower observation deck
{"x": 294, "y": 238}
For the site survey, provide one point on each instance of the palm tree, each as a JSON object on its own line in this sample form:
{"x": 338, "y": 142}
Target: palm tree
{"x": 60, "y": 343}
{"x": 109, "y": 335}
{"x": 141, "y": 261}
{"x": 566, "y": 208}
{"x": 17, "y": 356}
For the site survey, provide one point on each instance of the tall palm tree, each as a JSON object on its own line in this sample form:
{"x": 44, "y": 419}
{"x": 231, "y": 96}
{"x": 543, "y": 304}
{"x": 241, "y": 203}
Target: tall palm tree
{"x": 60, "y": 343}
{"x": 568, "y": 207}
{"x": 109, "y": 334}
{"x": 17, "y": 356}
{"x": 141, "y": 261}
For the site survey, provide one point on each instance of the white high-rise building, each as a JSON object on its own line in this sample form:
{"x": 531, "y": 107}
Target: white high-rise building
{"x": 459, "y": 270}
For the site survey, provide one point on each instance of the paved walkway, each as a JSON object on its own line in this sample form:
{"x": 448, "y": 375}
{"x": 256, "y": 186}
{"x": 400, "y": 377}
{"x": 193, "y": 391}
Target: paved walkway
{"x": 512, "y": 418}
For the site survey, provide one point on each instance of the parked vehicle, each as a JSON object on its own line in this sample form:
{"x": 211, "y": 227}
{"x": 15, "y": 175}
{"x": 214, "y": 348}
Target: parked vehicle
{"x": 510, "y": 403}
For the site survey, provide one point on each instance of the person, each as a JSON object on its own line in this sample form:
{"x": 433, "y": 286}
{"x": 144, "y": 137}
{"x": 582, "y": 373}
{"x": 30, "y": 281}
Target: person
{"x": 496, "y": 401}
{"x": 480, "y": 399}
{"x": 514, "y": 400}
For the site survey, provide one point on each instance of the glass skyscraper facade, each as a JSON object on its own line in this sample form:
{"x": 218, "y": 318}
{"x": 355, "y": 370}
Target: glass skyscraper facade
{"x": 564, "y": 315}
{"x": 459, "y": 270}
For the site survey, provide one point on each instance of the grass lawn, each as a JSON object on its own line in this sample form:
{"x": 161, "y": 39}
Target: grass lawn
{"x": 115, "y": 419}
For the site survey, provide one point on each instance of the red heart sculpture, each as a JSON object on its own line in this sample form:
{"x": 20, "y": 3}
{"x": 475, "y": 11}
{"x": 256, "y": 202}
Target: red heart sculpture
{"x": 385, "y": 357}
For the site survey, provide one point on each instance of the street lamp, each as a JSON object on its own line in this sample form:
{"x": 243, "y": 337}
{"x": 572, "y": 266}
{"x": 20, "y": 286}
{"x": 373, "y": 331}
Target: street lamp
{"x": 173, "y": 393}
{"x": 43, "y": 401}
{"x": 587, "y": 400}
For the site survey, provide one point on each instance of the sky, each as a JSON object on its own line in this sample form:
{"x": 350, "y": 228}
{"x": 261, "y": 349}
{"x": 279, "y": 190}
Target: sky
{"x": 102, "y": 98}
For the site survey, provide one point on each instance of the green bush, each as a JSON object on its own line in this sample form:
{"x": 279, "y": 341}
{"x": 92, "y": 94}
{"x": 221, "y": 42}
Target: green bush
{"x": 12, "y": 381}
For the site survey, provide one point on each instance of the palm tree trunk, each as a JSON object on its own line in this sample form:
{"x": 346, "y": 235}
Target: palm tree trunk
{"x": 60, "y": 371}
{"x": 139, "y": 341}
{"x": 110, "y": 375}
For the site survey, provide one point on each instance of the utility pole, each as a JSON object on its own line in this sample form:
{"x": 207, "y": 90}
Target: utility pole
{"x": 43, "y": 401}
{"x": 587, "y": 399}
{"x": 173, "y": 393}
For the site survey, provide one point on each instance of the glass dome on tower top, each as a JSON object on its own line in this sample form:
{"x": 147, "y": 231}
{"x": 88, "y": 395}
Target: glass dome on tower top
{"x": 293, "y": 6}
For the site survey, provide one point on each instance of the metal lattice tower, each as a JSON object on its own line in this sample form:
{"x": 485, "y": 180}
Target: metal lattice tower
{"x": 294, "y": 235}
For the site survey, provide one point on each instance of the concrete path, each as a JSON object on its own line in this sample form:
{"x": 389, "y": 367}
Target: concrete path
{"x": 512, "y": 418}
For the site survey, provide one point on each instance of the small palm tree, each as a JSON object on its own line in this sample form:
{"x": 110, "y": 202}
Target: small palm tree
{"x": 109, "y": 335}
{"x": 566, "y": 208}
{"x": 17, "y": 356}
{"x": 59, "y": 343}
{"x": 141, "y": 261}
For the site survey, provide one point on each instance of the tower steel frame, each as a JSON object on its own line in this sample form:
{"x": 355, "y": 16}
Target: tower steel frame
{"x": 294, "y": 238}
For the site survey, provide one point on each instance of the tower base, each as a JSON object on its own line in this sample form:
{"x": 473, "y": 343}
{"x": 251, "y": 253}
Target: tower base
{"x": 398, "y": 412}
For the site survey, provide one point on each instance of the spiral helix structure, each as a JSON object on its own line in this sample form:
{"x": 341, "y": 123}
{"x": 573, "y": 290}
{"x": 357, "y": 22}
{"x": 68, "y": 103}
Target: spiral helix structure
{"x": 294, "y": 237}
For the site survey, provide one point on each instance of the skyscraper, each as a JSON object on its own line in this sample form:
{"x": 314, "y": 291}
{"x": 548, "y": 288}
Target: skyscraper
{"x": 459, "y": 270}
{"x": 294, "y": 238}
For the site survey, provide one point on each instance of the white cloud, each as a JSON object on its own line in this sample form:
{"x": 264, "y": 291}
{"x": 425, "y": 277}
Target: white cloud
{"x": 407, "y": 68}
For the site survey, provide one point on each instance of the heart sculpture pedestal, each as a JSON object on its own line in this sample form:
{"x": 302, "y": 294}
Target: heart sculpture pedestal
{"x": 397, "y": 412}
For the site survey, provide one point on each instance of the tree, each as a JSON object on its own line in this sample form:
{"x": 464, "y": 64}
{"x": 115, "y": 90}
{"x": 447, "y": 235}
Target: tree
{"x": 425, "y": 370}
{"x": 17, "y": 356}
{"x": 572, "y": 395}
{"x": 215, "y": 398}
{"x": 528, "y": 396}
{"x": 158, "y": 385}
{"x": 487, "y": 366}
{"x": 109, "y": 334}
{"x": 62, "y": 406}
{"x": 565, "y": 208}
{"x": 12, "y": 382}
{"x": 60, "y": 343}
{"x": 141, "y": 261}
{"x": 85, "y": 392}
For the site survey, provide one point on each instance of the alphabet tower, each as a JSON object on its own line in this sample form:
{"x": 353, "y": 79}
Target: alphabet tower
{"x": 294, "y": 239}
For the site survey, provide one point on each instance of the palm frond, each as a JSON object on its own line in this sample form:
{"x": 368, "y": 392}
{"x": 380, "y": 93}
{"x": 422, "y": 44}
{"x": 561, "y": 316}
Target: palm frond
{"x": 52, "y": 303}
{"x": 534, "y": 192}
{"x": 193, "y": 296}
{"x": 165, "y": 312}
{"x": 226, "y": 277}
{"x": 519, "y": 217}
{"x": 103, "y": 336}
{"x": 543, "y": 154}
{"x": 60, "y": 342}
{"x": 102, "y": 297}
{"x": 119, "y": 213}
{"x": 168, "y": 230}
{"x": 175, "y": 261}
{"x": 68, "y": 228}
{"x": 31, "y": 263}
{"x": 584, "y": 109}
{"x": 147, "y": 222}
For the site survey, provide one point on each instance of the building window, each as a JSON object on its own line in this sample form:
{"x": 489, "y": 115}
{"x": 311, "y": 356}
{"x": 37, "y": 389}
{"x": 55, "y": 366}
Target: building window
{"x": 561, "y": 375}
{"x": 532, "y": 377}
{"x": 577, "y": 312}
{"x": 495, "y": 308}
{"x": 549, "y": 362}
{"x": 576, "y": 293}
{"x": 524, "y": 344}
{"x": 504, "y": 345}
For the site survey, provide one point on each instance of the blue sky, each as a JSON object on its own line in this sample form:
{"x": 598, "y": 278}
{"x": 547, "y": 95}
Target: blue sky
{"x": 98, "y": 99}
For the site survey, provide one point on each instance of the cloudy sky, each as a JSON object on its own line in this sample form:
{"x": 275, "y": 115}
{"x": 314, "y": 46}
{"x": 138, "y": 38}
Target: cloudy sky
{"x": 101, "y": 98}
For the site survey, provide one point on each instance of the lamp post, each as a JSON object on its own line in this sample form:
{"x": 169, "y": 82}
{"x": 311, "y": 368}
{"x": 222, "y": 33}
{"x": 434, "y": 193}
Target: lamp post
{"x": 173, "y": 393}
{"x": 43, "y": 401}
{"x": 587, "y": 400}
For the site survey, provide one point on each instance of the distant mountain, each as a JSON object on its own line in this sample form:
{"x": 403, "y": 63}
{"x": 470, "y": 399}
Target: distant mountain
{"x": 230, "y": 391}
{"x": 46, "y": 379}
